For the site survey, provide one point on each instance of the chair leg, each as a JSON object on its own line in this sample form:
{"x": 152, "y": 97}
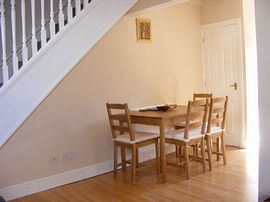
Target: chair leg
{"x": 218, "y": 148}
{"x": 194, "y": 150}
{"x": 203, "y": 154}
{"x": 123, "y": 157}
{"x": 186, "y": 161}
{"x": 157, "y": 156}
{"x": 181, "y": 153}
{"x": 133, "y": 162}
{"x": 176, "y": 151}
{"x": 115, "y": 159}
{"x": 197, "y": 150}
{"x": 209, "y": 151}
{"x": 223, "y": 150}
{"x": 137, "y": 158}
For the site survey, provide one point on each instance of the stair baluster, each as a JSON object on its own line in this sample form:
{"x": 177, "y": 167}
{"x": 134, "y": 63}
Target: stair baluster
{"x": 85, "y": 2}
{"x": 14, "y": 44}
{"x": 43, "y": 30}
{"x": 52, "y": 22}
{"x": 69, "y": 11}
{"x": 61, "y": 16}
{"x": 34, "y": 38}
{"x": 24, "y": 46}
{"x": 3, "y": 33}
{"x": 77, "y": 6}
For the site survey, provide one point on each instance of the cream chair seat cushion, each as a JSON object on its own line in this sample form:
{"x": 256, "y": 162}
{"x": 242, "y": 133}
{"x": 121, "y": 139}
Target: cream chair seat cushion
{"x": 215, "y": 130}
{"x": 139, "y": 137}
{"x": 179, "y": 135}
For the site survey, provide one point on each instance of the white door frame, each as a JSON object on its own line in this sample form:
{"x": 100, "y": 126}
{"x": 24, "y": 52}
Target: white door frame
{"x": 242, "y": 81}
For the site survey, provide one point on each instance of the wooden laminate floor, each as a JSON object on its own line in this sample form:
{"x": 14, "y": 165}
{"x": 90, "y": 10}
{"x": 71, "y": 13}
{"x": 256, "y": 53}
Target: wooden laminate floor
{"x": 234, "y": 182}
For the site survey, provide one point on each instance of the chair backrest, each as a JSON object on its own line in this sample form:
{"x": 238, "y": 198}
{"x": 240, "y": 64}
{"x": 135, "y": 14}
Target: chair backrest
{"x": 197, "y": 96}
{"x": 120, "y": 120}
{"x": 201, "y": 96}
{"x": 217, "y": 113}
{"x": 196, "y": 116}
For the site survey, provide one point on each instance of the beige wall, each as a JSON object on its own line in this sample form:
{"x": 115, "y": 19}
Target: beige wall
{"x": 73, "y": 117}
{"x": 220, "y": 10}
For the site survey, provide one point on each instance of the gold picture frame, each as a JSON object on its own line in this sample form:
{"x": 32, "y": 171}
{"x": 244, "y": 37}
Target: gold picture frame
{"x": 144, "y": 32}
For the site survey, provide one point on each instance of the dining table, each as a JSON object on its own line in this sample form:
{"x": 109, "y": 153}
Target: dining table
{"x": 162, "y": 119}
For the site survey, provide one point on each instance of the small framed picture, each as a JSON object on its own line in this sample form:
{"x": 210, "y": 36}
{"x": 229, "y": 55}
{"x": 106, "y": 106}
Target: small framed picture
{"x": 143, "y": 27}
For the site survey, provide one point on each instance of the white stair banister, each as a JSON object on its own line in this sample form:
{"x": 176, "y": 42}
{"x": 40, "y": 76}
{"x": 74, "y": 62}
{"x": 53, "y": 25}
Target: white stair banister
{"x": 61, "y": 16}
{"x": 52, "y": 22}
{"x": 14, "y": 44}
{"x": 69, "y": 11}
{"x": 77, "y": 6}
{"x": 85, "y": 2}
{"x": 24, "y": 47}
{"x": 34, "y": 38}
{"x": 43, "y": 30}
{"x": 3, "y": 33}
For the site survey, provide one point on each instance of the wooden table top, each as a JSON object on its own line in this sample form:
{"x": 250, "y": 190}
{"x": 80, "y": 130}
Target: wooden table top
{"x": 180, "y": 110}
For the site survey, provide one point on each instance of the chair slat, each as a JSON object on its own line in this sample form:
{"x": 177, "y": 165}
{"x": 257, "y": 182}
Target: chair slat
{"x": 117, "y": 106}
{"x": 199, "y": 103}
{"x": 217, "y": 120}
{"x": 196, "y": 115}
{"x": 119, "y": 117}
{"x": 195, "y": 125}
{"x": 219, "y": 99}
{"x": 218, "y": 110}
{"x": 197, "y": 96}
{"x": 121, "y": 129}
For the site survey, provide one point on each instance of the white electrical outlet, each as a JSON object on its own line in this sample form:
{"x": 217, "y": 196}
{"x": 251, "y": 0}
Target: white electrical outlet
{"x": 68, "y": 156}
{"x": 53, "y": 159}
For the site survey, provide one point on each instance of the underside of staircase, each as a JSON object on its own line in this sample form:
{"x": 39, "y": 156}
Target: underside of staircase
{"x": 25, "y": 90}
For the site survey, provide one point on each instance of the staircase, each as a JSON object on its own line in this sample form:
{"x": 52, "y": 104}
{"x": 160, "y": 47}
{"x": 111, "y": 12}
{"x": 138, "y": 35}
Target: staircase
{"x": 31, "y": 69}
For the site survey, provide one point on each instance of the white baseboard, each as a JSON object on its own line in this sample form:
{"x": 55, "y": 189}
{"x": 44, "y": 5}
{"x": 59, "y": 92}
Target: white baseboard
{"x": 24, "y": 189}
{"x": 27, "y": 188}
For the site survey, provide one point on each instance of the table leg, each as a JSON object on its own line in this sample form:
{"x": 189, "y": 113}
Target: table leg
{"x": 163, "y": 152}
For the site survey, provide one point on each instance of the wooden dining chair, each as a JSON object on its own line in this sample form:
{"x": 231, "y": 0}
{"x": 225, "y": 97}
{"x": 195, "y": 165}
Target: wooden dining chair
{"x": 196, "y": 96}
{"x": 193, "y": 133}
{"x": 125, "y": 138}
{"x": 199, "y": 96}
{"x": 216, "y": 128}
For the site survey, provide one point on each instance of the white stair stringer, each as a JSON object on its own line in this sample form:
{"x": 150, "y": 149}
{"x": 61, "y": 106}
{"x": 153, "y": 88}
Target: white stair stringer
{"x": 27, "y": 89}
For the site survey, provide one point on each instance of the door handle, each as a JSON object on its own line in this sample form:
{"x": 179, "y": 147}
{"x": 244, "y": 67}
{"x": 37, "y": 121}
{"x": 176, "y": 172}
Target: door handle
{"x": 234, "y": 85}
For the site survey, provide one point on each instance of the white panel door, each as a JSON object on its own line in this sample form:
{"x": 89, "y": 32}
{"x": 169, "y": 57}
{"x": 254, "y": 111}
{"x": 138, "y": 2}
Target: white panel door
{"x": 223, "y": 72}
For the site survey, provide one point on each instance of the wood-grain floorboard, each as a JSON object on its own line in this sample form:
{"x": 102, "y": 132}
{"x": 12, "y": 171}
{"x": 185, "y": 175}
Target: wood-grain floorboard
{"x": 232, "y": 182}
